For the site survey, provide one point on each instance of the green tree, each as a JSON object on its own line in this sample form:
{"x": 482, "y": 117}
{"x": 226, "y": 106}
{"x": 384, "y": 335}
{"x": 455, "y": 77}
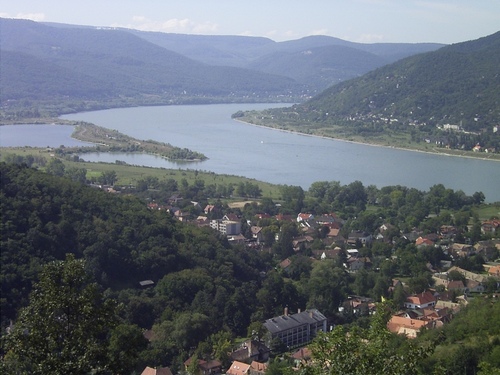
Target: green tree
{"x": 55, "y": 167}
{"x": 365, "y": 351}
{"x": 327, "y": 287}
{"x": 125, "y": 345}
{"x": 64, "y": 328}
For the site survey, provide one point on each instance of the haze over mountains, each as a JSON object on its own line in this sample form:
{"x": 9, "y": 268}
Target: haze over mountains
{"x": 56, "y": 61}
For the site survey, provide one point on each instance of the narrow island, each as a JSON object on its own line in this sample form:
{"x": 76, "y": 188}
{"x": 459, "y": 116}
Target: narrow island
{"x": 108, "y": 140}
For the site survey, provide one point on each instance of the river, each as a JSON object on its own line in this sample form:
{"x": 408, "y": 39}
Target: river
{"x": 285, "y": 158}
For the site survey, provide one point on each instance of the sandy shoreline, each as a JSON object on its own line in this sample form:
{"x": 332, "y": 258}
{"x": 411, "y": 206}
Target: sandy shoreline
{"x": 366, "y": 143}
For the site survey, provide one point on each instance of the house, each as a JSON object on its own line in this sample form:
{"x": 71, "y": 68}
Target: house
{"x": 202, "y": 221}
{"x": 490, "y": 226}
{"x": 333, "y": 232}
{"x": 208, "y": 209}
{"x": 301, "y": 240}
{"x": 487, "y": 249}
{"x": 181, "y": 216}
{"x": 298, "y": 329}
{"x": 156, "y": 371}
{"x": 282, "y": 217}
{"x": 210, "y": 367}
{"x": 494, "y": 271}
{"x": 238, "y": 368}
{"x": 359, "y": 305}
{"x": 258, "y": 368}
{"x": 284, "y": 264}
{"x": 231, "y": 217}
{"x": 469, "y": 275}
{"x": 448, "y": 231}
{"x": 364, "y": 237}
{"x": 205, "y": 367}
{"x": 257, "y": 233}
{"x": 302, "y": 217}
{"x": 226, "y": 227}
{"x": 420, "y": 301}
{"x": 423, "y": 241}
{"x": 462, "y": 250}
{"x": 251, "y": 350}
{"x": 395, "y": 283}
{"x": 327, "y": 253}
{"x": 456, "y": 285}
{"x": 474, "y": 286}
{"x": 301, "y": 357}
{"x": 385, "y": 227}
{"x": 407, "y": 326}
{"x": 328, "y": 220}
{"x": 174, "y": 199}
{"x": 356, "y": 264}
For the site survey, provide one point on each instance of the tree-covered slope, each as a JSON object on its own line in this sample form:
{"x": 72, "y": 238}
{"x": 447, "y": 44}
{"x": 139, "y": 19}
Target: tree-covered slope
{"x": 457, "y": 84}
{"x": 117, "y": 63}
{"x": 319, "y": 67}
{"x": 123, "y": 242}
{"x": 317, "y": 61}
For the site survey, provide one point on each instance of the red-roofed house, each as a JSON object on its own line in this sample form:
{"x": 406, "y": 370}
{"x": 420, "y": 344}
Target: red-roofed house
{"x": 494, "y": 271}
{"x": 238, "y": 368}
{"x": 156, "y": 371}
{"x": 257, "y": 368}
{"x": 205, "y": 367}
{"x": 303, "y": 217}
{"x": 406, "y": 326}
{"x": 422, "y": 241}
{"x": 420, "y": 301}
{"x": 456, "y": 285}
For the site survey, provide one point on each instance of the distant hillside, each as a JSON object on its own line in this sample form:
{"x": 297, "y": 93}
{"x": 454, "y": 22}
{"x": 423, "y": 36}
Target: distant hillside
{"x": 457, "y": 84}
{"x": 333, "y": 59}
{"x": 78, "y": 63}
{"x": 320, "y": 67}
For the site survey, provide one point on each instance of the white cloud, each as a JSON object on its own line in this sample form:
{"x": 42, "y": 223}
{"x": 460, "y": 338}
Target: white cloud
{"x": 173, "y": 25}
{"x": 26, "y": 16}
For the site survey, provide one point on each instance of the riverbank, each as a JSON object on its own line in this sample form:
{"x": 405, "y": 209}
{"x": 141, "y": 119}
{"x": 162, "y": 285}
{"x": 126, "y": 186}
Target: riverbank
{"x": 434, "y": 150}
{"x": 106, "y": 140}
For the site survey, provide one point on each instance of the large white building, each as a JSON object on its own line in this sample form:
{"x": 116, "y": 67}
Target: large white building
{"x": 297, "y": 329}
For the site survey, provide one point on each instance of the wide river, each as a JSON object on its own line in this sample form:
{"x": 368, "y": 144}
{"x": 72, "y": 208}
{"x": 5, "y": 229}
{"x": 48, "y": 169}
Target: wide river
{"x": 284, "y": 158}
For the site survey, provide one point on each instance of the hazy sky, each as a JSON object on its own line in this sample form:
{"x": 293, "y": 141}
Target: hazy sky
{"x": 443, "y": 21}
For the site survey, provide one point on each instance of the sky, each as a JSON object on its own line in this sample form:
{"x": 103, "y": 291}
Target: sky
{"x": 366, "y": 21}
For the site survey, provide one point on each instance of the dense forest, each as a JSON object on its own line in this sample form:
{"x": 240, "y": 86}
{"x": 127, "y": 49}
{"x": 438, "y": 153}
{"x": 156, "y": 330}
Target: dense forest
{"x": 207, "y": 292}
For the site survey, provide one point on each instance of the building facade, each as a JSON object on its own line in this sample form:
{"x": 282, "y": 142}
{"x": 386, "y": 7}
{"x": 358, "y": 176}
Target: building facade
{"x": 298, "y": 329}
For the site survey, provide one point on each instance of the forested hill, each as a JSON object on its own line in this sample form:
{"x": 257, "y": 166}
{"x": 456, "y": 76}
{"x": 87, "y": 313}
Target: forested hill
{"x": 457, "y": 84}
{"x": 102, "y": 64}
{"x": 44, "y": 217}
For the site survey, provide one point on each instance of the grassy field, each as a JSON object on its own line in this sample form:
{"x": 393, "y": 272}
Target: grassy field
{"x": 488, "y": 211}
{"x": 129, "y": 174}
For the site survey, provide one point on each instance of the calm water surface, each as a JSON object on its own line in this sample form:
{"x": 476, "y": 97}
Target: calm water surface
{"x": 278, "y": 157}
{"x": 38, "y": 136}
{"x": 284, "y": 158}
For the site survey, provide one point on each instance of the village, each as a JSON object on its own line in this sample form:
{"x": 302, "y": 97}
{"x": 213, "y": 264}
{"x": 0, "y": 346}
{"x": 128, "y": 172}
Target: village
{"x": 319, "y": 237}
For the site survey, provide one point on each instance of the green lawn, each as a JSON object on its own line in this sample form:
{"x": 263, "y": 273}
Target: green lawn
{"x": 486, "y": 212}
